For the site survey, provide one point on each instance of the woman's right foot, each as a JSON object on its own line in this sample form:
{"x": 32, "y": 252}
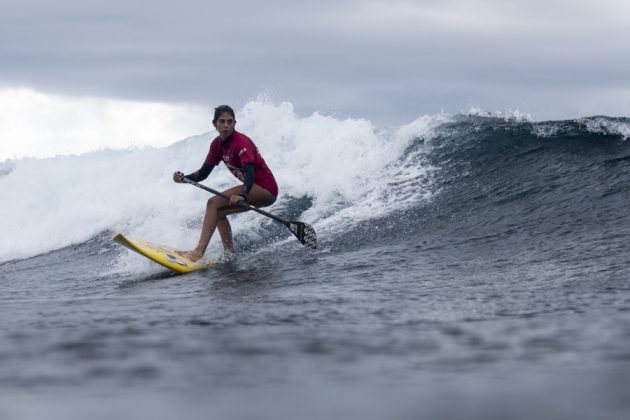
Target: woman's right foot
{"x": 193, "y": 256}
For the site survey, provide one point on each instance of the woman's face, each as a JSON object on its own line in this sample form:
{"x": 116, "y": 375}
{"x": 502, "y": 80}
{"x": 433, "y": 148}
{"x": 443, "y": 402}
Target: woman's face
{"x": 225, "y": 125}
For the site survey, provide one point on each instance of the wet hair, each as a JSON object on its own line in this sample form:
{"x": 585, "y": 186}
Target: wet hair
{"x": 220, "y": 110}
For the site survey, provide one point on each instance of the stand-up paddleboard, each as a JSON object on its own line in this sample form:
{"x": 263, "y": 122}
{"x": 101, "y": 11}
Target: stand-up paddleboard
{"x": 161, "y": 254}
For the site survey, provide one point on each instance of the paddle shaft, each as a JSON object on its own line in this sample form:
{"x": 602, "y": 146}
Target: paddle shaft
{"x": 240, "y": 203}
{"x": 302, "y": 231}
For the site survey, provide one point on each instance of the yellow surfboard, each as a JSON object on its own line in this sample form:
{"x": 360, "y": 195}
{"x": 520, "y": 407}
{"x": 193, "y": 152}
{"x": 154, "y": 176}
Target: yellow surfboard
{"x": 161, "y": 254}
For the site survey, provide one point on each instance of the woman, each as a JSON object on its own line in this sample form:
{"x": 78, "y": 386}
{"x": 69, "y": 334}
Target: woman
{"x": 241, "y": 156}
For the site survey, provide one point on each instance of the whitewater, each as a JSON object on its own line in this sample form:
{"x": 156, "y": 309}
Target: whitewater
{"x": 471, "y": 265}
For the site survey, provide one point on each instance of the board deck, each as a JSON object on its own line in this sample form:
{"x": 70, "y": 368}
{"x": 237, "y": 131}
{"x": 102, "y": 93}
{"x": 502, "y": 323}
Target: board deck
{"x": 161, "y": 254}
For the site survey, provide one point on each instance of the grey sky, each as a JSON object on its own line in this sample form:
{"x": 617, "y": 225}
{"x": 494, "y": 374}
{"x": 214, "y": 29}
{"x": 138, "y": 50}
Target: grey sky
{"x": 388, "y": 61}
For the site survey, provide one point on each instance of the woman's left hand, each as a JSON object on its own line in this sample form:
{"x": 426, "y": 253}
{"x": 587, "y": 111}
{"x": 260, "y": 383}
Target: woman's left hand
{"x": 235, "y": 199}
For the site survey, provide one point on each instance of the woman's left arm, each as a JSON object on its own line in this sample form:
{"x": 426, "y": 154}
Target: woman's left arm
{"x": 250, "y": 175}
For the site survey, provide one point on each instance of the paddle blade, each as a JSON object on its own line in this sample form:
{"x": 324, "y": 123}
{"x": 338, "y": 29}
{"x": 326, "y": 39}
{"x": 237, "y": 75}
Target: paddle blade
{"x": 305, "y": 233}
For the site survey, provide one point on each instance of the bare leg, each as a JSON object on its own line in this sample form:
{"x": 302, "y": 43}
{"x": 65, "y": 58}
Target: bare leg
{"x": 225, "y": 230}
{"x": 216, "y": 211}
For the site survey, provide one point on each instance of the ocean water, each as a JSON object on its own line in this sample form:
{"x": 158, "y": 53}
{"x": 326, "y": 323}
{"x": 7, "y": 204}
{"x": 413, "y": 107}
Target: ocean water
{"x": 471, "y": 266}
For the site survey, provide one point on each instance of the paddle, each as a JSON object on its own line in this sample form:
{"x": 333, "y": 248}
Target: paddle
{"x": 303, "y": 231}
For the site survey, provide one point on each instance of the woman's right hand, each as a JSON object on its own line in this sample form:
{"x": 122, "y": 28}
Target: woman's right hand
{"x": 178, "y": 176}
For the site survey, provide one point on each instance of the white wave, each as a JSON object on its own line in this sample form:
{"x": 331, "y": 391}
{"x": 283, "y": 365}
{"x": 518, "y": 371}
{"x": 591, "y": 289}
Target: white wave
{"x": 604, "y": 125}
{"x": 508, "y": 116}
{"x": 351, "y": 170}
{"x": 593, "y": 125}
{"x": 546, "y": 129}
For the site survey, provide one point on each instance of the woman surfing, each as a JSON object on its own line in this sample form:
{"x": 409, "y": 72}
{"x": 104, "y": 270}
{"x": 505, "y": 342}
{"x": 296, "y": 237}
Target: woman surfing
{"x": 240, "y": 155}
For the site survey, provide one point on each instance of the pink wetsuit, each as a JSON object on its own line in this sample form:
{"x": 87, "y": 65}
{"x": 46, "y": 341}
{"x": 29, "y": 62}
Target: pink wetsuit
{"x": 238, "y": 151}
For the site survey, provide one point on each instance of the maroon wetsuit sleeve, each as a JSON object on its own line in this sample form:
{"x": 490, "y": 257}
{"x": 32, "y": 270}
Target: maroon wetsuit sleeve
{"x": 214, "y": 154}
{"x": 246, "y": 151}
{"x": 212, "y": 159}
{"x": 201, "y": 174}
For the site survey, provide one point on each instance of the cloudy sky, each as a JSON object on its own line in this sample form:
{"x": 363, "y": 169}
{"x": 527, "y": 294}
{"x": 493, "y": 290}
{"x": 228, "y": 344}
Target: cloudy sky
{"x": 82, "y": 65}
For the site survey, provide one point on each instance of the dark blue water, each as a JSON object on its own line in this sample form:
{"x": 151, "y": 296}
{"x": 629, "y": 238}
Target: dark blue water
{"x": 506, "y": 295}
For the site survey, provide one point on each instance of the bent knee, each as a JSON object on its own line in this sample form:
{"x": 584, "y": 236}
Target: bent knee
{"x": 214, "y": 202}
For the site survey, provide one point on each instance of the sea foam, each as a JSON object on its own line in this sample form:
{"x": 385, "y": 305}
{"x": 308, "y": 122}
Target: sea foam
{"x": 349, "y": 169}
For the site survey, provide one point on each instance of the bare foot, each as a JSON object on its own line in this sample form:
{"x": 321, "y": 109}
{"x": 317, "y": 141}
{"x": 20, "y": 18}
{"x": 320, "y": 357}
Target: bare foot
{"x": 193, "y": 256}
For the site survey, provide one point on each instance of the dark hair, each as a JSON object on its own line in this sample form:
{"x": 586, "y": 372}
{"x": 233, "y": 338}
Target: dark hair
{"x": 220, "y": 110}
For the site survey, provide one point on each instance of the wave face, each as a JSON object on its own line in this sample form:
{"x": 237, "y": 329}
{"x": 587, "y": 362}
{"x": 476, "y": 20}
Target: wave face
{"x": 555, "y": 190}
{"x": 502, "y": 175}
{"x": 468, "y": 179}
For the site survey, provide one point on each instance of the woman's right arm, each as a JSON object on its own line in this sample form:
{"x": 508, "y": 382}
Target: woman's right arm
{"x": 197, "y": 176}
